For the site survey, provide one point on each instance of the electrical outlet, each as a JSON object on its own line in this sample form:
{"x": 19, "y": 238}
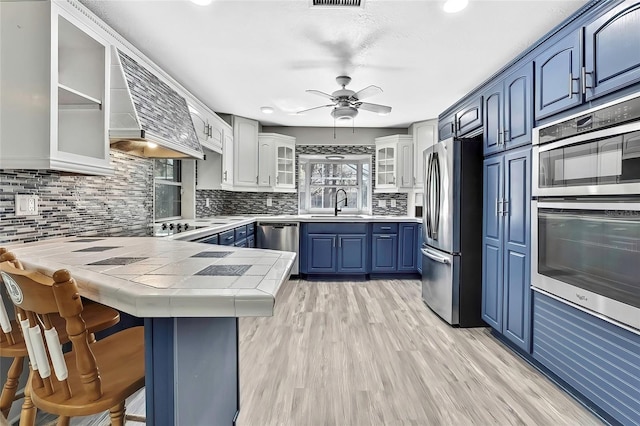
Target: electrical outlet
{"x": 382, "y": 203}
{"x": 269, "y": 202}
{"x": 26, "y": 205}
{"x": 393, "y": 203}
{"x": 207, "y": 202}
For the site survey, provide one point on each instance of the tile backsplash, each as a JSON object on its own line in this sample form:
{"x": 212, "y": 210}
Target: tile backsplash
{"x": 244, "y": 203}
{"x": 71, "y": 204}
{"x": 240, "y": 203}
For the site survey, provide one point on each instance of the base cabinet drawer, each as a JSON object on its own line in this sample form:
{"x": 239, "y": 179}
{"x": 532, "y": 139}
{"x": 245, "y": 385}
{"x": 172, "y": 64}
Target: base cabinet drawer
{"x": 227, "y": 238}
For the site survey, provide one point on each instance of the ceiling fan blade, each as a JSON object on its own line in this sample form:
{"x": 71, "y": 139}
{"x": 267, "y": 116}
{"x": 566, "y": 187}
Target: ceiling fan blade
{"x": 310, "y": 109}
{"x": 319, "y": 93}
{"x": 380, "y": 109}
{"x": 367, "y": 92}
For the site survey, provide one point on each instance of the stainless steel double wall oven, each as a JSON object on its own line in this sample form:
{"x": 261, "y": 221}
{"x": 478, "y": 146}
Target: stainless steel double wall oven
{"x": 586, "y": 211}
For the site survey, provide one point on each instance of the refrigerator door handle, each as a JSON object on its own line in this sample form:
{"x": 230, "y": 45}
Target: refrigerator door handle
{"x": 436, "y": 220}
{"x": 433, "y": 256}
{"x": 428, "y": 196}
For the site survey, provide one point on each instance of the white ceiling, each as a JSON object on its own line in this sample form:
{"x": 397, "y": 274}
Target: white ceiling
{"x": 238, "y": 55}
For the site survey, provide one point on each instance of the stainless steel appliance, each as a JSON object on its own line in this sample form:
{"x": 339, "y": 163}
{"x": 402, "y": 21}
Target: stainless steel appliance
{"x": 588, "y": 253}
{"x": 586, "y": 211}
{"x": 592, "y": 153}
{"x": 452, "y": 231}
{"x": 283, "y": 236}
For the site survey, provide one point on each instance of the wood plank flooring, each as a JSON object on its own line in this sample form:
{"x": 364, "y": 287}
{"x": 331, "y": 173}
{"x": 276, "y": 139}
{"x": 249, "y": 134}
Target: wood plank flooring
{"x": 371, "y": 353}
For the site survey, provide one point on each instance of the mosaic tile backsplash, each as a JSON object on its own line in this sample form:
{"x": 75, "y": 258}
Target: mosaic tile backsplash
{"x": 71, "y": 204}
{"x": 245, "y": 203}
{"x": 160, "y": 109}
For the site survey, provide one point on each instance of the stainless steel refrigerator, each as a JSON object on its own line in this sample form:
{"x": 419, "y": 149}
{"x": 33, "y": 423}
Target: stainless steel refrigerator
{"x": 452, "y": 231}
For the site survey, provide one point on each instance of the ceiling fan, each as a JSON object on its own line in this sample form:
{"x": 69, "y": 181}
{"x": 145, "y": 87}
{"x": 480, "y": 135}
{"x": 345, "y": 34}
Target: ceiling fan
{"x": 346, "y": 103}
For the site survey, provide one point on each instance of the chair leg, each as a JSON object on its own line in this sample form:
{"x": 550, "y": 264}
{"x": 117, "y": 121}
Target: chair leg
{"x": 29, "y": 411}
{"x": 11, "y": 385}
{"x": 63, "y": 421}
{"x": 117, "y": 415}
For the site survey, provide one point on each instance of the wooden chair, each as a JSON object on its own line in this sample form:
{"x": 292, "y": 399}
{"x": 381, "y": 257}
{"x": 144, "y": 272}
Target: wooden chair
{"x": 12, "y": 345}
{"x": 89, "y": 379}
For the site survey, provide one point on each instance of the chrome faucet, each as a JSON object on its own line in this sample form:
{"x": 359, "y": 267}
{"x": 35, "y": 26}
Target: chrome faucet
{"x": 344, "y": 199}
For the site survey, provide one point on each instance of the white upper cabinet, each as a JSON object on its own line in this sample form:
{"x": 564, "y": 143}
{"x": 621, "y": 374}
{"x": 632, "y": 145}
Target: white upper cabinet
{"x": 209, "y": 128}
{"x": 276, "y": 160}
{"x": 424, "y": 134}
{"x": 245, "y": 152}
{"x": 55, "y": 70}
{"x": 227, "y": 159}
{"x": 394, "y": 163}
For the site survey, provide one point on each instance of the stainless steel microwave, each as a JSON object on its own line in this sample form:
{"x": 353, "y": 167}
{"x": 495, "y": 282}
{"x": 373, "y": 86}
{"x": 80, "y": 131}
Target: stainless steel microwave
{"x": 591, "y": 153}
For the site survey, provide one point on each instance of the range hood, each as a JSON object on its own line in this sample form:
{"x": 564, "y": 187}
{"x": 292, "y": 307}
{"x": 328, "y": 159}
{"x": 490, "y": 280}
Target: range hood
{"x": 148, "y": 118}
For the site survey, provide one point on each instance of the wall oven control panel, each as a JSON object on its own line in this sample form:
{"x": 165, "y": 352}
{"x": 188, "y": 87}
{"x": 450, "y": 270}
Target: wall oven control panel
{"x": 606, "y": 116}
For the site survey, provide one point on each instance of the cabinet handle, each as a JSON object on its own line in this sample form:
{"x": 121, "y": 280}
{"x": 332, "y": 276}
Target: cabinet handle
{"x": 386, "y": 237}
{"x": 333, "y": 242}
{"x": 505, "y": 208}
{"x": 506, "y": 136}
{"x": 269, "y": 180}
{"x": 257, "y": 180}
{"x": 385, "y": 228}
{"x": 277, "y": 180}
{"x": 499, "y": 207}
{"x": 571, "y": 80}
{"x": 225, "y": 175}
{"x": 339, "y": 242}
{"x": 584, "y": 80}
{"x": 414, "y": 181}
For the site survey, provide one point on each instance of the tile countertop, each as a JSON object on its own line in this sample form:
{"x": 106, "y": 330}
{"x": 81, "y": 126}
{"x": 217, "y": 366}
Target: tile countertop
{"x": 216, "y": 224}
{"x": 160, "y": 277}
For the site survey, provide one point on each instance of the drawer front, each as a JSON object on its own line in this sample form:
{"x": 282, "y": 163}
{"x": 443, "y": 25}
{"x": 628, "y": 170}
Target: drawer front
{"x": 241, "y": 243}
{"x": 227, "y": 238}
{"x": 211, "y": 240}
{"x": 337, "y": 228}
{"x": 251, "y": 229}
{"x": 241, "y": 232}
{"x": 385, "y": 228}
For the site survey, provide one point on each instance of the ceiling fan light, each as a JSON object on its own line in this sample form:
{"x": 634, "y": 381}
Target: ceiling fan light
{"x": 344, "y": 113}
{"x": 453, "y": 6}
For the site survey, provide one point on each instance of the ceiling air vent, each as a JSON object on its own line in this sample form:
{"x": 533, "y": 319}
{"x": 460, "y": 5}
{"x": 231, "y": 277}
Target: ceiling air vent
{"x": 337, "y": 3}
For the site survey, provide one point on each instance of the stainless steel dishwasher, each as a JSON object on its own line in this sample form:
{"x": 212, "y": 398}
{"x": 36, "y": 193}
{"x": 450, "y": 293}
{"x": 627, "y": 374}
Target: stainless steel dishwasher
{"x": 283, "y": 236}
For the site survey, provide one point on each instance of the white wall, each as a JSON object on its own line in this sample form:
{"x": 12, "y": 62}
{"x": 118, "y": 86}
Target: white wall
{"x": 344, "y": 135}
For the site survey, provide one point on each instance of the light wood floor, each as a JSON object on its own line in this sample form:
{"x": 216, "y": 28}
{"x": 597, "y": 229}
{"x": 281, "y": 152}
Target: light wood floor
{"x": 371, "y": 353}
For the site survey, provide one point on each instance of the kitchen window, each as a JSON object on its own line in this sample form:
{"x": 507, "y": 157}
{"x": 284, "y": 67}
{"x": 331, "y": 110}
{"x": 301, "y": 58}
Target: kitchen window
{"x": 167, "y": 177}
{"x": 319, "y": 179}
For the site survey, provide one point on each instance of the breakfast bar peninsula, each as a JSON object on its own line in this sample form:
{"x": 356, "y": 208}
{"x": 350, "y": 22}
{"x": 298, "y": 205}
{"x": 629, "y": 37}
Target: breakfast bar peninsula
{"x": 190, "y": 296}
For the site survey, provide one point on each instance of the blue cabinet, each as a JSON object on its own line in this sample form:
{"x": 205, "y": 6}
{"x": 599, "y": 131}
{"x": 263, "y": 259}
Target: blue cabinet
{"x": 612, "y": 50}
{"x": 446, "y": 128}
{"x": 419, "y": 250}
{"x": 352, "y": 250}
{"x": 508, "y": 118}
{"x": 407, "y": 247}
{"x": 469, "y": 117}
{"x": 506, "y": 300}
{"x": 330, "y": 248}
{"x": 384, "y": 253}
{"x": 321, "y": 254}
{"x": 557, "y": 77}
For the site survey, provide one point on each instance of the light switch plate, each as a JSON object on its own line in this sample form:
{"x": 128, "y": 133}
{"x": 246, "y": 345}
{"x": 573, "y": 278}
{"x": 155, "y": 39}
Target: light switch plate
{"x": 393, "y": 203}
{"x": 26, "y": 205}
{"x": 382, "y": 203}
{"x": 269, "y": 202}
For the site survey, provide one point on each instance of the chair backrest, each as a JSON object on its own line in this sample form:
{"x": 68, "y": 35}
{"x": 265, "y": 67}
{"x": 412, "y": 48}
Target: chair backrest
{"x": 37, "y": 296}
